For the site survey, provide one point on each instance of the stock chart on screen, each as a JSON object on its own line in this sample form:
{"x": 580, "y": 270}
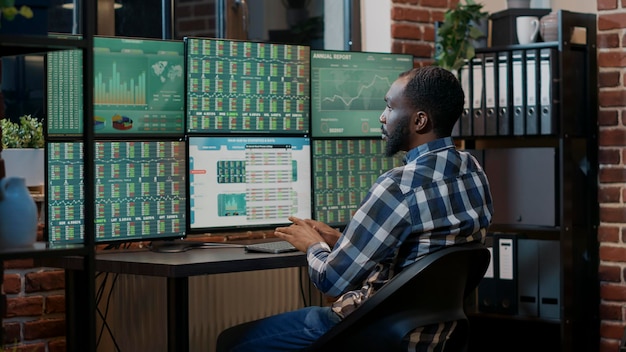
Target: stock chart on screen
{"x": 140, "y": 191}
{"x": 249, "y": 87}
{"x": 138, "y": 88}
{"x": 348, "y": 90}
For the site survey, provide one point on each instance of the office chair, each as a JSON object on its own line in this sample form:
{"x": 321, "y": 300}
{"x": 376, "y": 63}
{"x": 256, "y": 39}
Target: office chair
{"x": 424, "y": 294}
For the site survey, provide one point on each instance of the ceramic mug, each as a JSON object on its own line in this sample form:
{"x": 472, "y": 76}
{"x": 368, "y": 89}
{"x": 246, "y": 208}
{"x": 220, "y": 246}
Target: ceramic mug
{"x": 527, "y": 29}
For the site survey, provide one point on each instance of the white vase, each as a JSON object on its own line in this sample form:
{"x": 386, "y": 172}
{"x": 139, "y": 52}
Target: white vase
{"x": 27, "y": 163}
{"x": 18, "y": 214}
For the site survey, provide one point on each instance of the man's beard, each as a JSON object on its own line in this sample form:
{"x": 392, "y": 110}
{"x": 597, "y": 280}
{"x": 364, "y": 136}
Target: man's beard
{"x": 396, "y": 141}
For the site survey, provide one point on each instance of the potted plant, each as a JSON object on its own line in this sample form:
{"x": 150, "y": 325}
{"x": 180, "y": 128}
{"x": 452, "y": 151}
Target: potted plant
{"x": 22, "y": 149}
{"x": 9, "y": 10}
{"x": 456, "y": 36}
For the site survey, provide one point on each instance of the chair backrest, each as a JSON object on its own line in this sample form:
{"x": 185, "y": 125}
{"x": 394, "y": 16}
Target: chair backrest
{"x": 430, "y": 291}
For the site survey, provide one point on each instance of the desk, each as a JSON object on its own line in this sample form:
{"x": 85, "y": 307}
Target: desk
{"x": 176, "y": 268}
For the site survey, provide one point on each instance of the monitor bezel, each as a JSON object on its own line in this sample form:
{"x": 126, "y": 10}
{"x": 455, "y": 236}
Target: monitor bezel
{"x": 266, "y": 228}
{"x": 121, "y": 240}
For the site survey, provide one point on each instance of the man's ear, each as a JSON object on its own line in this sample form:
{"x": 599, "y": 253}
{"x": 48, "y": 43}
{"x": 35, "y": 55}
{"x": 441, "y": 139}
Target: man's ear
{"x": 420, "y": 121}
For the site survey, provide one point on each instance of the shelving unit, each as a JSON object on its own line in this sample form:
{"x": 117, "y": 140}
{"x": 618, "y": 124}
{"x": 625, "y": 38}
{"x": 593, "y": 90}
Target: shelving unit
{"x": 80, "y": 313}
{"x": 566, "y": 125}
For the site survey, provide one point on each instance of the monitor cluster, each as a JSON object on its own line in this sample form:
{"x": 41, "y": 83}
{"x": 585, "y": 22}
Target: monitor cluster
{"x": 206, "y": 135}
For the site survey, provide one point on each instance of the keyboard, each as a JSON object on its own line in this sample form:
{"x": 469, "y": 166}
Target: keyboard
{"x": 271, "y": 247}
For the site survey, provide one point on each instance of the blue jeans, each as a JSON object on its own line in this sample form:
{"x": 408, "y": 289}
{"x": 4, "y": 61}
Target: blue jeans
{"x": 290, "y": 331}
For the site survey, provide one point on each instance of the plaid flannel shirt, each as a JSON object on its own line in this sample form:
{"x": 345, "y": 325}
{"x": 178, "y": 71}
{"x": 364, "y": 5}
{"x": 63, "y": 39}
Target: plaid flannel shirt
{"x": 440, "y": 197}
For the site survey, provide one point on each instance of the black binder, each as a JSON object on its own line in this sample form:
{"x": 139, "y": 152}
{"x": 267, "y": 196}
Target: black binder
{"x": 528, "y": 277}
{"x": 549, "y": 279}
{"x": 486, "y": 291}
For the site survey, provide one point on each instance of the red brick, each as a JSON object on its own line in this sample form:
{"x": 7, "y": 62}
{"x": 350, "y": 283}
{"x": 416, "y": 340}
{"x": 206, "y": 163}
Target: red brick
{"x": 12, "y": 283}
{"x": 45, "y": 328}
{"x": 612, "y": 137}
{"x": 609, "y": 345}
{"x": 204, "y": 10}
{"x": 44, "y": 281}
{"x": 611, "y": 330}
{"x": 611, "y": 311}
{"x": 607, "y": 4}
{"x": 614, "y": 215}
{"x": 611, "y": 292}
{"x": 35, "y": 347}
{"x": 183, "y": 11}
{"x": 55, "y": 304}
{"x": 435, "y": 3}
{"x": 609, "y": 194}
{"x": 437, "y": 16}
{"x": 609, "y": 79}
{"x": 405, "y": 31}
{"x": 192, "y": 25}
{"x": 608, "y": 233}
{"x": 609, "y": 156}
{"x": 613, "y": 253}
{"x": 608, "y": 117}
{"x": 410, "y": 14}
{"x": 19, "y": 264}
{"x": 610, "y": 273}
{"x": 612, "y": 98}
{"x": 611, "y": 21}
{"x": 419, "y": 50}
{"x": 11, "y": 332}
{"x": 57, "y": 345}
{"x": 612, "y": 175}
{"x": 608, "y": 41}
{"x": 428, "y": 33}
{"x": 613, "y": 58}
{"x": 24, "y": 306}
{"x": 405, "y": 1}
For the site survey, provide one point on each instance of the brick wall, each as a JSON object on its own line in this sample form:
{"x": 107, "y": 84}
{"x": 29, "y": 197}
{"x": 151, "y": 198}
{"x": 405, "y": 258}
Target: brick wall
{"x": 413, "y": 29}
{"x": 194, "y": 18}
{"x": 34, "y": 318}
{"x": 612, "y": 159}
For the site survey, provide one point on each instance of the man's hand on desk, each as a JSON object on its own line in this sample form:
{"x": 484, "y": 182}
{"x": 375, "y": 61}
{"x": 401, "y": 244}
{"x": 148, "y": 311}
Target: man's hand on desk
{"x": 301, "y": 234}
{"x": 330, "y": 235}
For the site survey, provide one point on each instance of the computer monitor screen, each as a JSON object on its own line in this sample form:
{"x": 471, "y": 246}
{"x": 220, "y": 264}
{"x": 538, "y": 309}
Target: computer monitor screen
{"x": 343, "y": 172}
{"x": 64, "y": 93}
{"x": 238, "y": 182}
{"x": 140, "y": 191}
{"x": 247, "y": 87}
{"x": 348, "y": 91}
{"x": 138, "y": 89}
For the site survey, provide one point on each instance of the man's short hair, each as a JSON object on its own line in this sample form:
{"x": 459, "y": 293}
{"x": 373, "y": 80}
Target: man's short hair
{"x": 437, "y": 92}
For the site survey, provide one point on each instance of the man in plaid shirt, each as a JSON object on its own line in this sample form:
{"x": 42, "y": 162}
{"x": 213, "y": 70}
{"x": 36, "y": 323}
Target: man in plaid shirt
{"x": 439, "y": 198}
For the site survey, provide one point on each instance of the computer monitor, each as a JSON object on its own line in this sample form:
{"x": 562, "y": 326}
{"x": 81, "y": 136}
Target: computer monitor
{"x": 343, "y": 172}
{"x": 138, "y": 89}
{"x": 140, "y": 191}
{"x": 240, "y": 182}
{"x": 247, "y": 87}
{"x": 348, "y": 91}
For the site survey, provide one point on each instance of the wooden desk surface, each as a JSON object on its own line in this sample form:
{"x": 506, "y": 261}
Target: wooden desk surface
{"x": 200, "y": 261}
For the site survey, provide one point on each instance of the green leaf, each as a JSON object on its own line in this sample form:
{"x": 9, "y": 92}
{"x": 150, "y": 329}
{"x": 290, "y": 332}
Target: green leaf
{"x": 475, "y": 33}
{"x": 9, "y": 13}
{"x": 26, "y": 12}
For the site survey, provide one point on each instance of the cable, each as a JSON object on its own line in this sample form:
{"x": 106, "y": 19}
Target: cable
{"x": 106, "y": 312}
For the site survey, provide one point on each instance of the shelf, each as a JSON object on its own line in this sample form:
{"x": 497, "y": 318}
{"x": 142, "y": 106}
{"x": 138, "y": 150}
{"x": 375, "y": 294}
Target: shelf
{"x": 529, "y": 231}
{"x": 42, "y": 249}
{"x": 481, "y": 315}
{"x": 11, "y": 45}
